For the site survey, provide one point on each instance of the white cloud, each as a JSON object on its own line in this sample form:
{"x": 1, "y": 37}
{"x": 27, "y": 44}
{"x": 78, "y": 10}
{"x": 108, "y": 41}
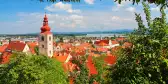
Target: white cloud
{"x": 155, "y": 9}
{"x": 89, "y": 1}
{"x": 118, "y": 7}
{"x": 61, "y": 6}
{"x": 74, "y": 22}
{"x": 121, "y": 19}
{"x": 115, "y": 18}
{"x": 130, "y": 9}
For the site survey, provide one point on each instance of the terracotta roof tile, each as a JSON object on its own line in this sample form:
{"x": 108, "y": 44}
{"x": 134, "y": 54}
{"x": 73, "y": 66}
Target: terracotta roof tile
{"x": 60, "y": 58}
{"x": 91, "y": 67}
{"x": 114, "y": 42}
{"x": 16, "y": 45}
{"x": 5, "y": 57}
{"x": 102, "y": 41}
{"x": 110, "y": 59}
{"x": 2, "y": 48}
{"x": 32, "y": 45}
{"x": 101, "y": 49}
{"x": 120, "y": 39}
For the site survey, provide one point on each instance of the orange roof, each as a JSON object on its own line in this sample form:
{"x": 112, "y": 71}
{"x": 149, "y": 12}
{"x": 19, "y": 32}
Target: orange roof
{"x": 91, "y": 67}
{"x": 5, "y": 57}
{"x": 47, "y": 32}
{"x": 95, "y": 82}
{"x": 66, "y": 46}
{"x": 16, "y": 45}
{"x": 102, "y": 49}
{"x": 81, "y": 53}
{"x": 120, "y": 39}
{"x": 116, "y": 48}
{"x": 69, "y": 66}
{"x": 2, "y": 48}
{"x": 71, "y": 81}
{"x": 127, "y": 44}
{"x": 114, "y": 42}
{"x": 32, "y": 45}
{"x": 61, "y": 58}
{"x": 100, "y": 42}
{"x": 110, "y": 59}
{"x": 45, "y": 28}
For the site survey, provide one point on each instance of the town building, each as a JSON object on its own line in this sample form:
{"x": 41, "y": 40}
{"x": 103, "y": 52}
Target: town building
{"x": 46, "y": 39}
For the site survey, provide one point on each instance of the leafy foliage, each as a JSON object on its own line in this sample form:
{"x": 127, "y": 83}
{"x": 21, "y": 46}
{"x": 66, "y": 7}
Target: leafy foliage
{"x": 82, "y": 76}
{"x": 36, "y": 49}
{"x": 146, "y": 61}
{"x": 28, "y": 69}
{"x": 101, "y": 68}
{"x": 157, "y": 2}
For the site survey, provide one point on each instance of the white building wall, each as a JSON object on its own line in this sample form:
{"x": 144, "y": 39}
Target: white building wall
{"x": 47, "y": 50}
{"x": 26, "y": 49}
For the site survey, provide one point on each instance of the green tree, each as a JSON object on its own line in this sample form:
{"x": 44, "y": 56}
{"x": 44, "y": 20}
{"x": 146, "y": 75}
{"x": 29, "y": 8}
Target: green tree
{"x": 32, "y": 69}
{"x": 146, "y": 62}
{"x": 163, "y": 3}
{"x": 61, "y": 39}
{"x": 90, "y": 41}
{"x": 101, "y": 68}
{"x": 36, "y": 49}
{"x": 82, "y": 76}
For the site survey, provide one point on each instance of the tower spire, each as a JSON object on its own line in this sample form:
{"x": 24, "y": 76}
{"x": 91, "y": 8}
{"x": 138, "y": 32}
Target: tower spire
{"x": 46, "y": 39}
{"x": 45, "y": 27}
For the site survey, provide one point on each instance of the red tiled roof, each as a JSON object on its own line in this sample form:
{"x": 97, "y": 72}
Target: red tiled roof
{"x": 102, "y": 41}
{"x": 95, "y": 82}
{"x": 16, "y": 45}
{"x": 120, "y": 39}
{"x": 102, "y": 49}
{"x": 114, "y": 42}
{"x": 61, "y": 58}
{"x": 102, "y": 44}
{"x": 110, "y": 59}
{"x": 47, "y": 32}
{"x": 2, "y": 48}
{"x": 32, "y": 45}
{"x": 91, "y": 67}
{"x": 81, "y": 53}
{"x": 5, "y": 57}
{"x": 71, "y": 80}
{"x": 66, "y": 45}
{"x": 116, "y": 48}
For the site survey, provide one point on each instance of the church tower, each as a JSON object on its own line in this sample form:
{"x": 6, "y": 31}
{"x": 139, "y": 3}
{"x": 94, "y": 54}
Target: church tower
{"x": 46, "y": 39}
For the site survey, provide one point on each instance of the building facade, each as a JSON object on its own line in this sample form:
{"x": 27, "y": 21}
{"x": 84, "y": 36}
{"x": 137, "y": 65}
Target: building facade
{"x": 46, "y": 39}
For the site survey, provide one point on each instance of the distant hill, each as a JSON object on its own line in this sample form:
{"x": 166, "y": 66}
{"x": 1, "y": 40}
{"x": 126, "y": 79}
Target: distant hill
{"x": 119, "y": 31}
{"x": 122, "y": 31}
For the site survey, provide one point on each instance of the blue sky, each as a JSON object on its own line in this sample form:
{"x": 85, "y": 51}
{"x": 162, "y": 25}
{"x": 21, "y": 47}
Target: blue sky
{"x": 25, "y": 16}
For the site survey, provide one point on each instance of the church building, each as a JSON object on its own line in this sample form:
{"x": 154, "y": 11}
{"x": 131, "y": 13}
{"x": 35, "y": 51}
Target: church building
{"x": 46, "y": 39}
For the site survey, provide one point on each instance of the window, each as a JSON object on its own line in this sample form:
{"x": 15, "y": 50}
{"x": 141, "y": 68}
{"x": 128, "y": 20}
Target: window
{"x": 49, "y": 38}
{"x": 42, "y": 38}
{"x": 50, "y": 51}
{"x": 42, "y": 46}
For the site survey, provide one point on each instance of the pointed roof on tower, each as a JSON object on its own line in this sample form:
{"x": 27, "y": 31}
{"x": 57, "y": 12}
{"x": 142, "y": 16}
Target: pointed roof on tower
{"x": 45, "y": 28}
